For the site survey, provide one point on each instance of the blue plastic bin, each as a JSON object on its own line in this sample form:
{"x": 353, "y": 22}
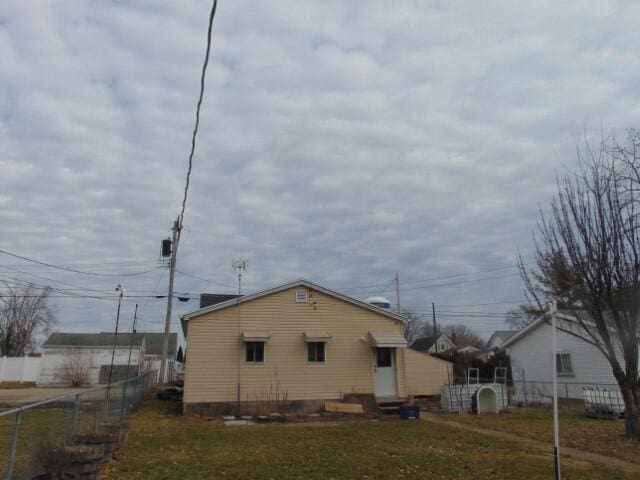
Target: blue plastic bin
{"x": 409, "y": 412}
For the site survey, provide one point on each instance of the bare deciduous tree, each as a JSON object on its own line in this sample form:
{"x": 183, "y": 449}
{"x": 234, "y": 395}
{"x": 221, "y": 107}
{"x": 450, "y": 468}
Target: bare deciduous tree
{"x": 415, "y": 327}
{"x": 24, "y": 314}
{"x": 463, "y": 336}
{"x": 420, "y": 329}
{"x": 588, "y": 259}
{"x": 75, "y": 369}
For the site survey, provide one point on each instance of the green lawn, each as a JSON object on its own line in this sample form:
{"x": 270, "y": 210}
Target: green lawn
{"x": 165, "y": 446}
{"x": 576, "y": 430}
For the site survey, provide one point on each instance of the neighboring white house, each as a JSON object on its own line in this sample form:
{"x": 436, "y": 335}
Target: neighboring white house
{"x": 94, "y": 350}
{"x": 91, "y": 352}
{"x": 441, "y": 344}
{"x": 579, "y": 364}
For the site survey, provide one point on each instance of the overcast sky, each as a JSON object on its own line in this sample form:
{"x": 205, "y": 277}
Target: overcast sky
{"x": 340, "y": 142}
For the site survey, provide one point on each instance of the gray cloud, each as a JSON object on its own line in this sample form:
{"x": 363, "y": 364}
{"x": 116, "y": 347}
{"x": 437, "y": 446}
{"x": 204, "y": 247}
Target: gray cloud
{"x": 340, "y": 141}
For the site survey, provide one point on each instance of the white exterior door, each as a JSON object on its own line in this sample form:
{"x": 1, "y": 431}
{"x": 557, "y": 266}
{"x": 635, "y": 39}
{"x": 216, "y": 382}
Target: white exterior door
{"x": 385, "y": 369}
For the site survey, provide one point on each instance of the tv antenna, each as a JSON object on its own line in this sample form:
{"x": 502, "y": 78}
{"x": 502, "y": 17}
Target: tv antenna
{"x": 240, "y": 264}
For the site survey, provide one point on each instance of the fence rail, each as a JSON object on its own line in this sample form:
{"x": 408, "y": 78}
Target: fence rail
{"x": 541, "y": 391}
{"x": 58, "y": 419}
{"x": 603, "y": 402}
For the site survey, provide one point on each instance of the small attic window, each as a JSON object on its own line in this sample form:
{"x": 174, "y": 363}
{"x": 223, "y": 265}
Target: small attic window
{"x": 301, "y": 296}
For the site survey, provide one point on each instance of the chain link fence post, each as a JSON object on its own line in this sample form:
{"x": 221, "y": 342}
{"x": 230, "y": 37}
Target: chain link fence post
{"x": 124, "y": 399}
{"x": 74, "y": 419}
{"x": 14, "y": 445}
{"x": 106, "y": 405}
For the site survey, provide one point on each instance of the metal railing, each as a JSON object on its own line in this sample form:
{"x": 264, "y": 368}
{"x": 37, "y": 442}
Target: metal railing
{"x": 60, "y": 418}
{"x": 537, "y": 392}
{"x": 603, "y": 402}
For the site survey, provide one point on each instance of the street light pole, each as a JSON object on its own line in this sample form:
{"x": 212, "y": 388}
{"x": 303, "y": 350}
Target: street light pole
{"x": 120, "y": 290}
{"x": 124, "y": 385}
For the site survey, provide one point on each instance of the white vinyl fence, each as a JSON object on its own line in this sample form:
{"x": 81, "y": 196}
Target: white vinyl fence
{"x": 173, "y": 372}
{"x": 19, "y": 369}
{"x": 28, "y": 370}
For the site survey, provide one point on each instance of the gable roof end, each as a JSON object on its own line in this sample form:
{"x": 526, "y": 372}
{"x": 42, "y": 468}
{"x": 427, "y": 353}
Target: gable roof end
{"x": 298, "y": 283}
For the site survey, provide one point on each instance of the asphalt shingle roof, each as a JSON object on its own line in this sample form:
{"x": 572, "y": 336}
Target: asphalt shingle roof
{"x": 102, "y": 339}
{"x": 152, "y": 341}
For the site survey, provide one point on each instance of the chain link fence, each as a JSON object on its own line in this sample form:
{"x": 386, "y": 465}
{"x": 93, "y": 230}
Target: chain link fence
{"x": 26, "y": 431}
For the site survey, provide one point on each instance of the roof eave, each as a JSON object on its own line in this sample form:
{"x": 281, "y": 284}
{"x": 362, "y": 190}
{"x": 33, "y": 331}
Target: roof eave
{"x": 514, "y": 338}
{"x": 247, "y": 298}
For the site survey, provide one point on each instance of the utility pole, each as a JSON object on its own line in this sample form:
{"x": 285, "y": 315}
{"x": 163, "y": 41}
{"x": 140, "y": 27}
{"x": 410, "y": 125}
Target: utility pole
{"x": 239, "y": 264}
{"x": 553, "y": 311}
{"x": 397, "y": 293}
{"x": 435, "y": 329}
{"x": 167, "y": 321}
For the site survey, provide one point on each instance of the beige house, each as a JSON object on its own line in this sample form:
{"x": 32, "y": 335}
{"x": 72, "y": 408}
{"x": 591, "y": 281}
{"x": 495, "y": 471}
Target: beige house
{"x": 295, "y": 346}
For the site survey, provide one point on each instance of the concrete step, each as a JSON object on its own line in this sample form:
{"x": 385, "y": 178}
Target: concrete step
{"x": 390, "y": 407}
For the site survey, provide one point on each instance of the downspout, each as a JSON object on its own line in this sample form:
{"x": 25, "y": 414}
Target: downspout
{"x": 404, "y": 367}
{"x": 238, "y": 360}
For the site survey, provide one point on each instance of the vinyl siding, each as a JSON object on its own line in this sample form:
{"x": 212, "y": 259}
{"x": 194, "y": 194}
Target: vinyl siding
{"x": 54, "y": 359}
{"x": 214, "y": 343}
{"x": 425, "y": 374}
{"x": 531, "y": 360}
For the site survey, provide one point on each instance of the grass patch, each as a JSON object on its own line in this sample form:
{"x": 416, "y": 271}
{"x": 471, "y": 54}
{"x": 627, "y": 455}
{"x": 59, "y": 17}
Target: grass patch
{"x": 14, "y": 385}
{"x": 38, "y": 425}
{"x": 594, "y": 435}
{"x": 166, "y": 446}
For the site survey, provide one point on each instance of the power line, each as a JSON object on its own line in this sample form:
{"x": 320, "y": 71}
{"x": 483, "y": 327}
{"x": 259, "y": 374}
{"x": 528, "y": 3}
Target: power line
{"x": 30, "y": 274}
{"x": 62, "y": 293}
{"x": 98, "y": 264}
{"x": 212, "y": 15}
{"x": 504, "y": 302}
{"x": 204, "y": 279}
{"x": 177, "y": 229}
{"x": 72, "y": 270}
{"x": 460, "y": 274}
{"x": 436, "y": 278}
{"x": 448, "y": 284}
{"x": 44, "y": 278}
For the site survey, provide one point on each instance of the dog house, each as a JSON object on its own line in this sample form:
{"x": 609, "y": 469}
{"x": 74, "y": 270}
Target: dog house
{"x": 485, "y": 400}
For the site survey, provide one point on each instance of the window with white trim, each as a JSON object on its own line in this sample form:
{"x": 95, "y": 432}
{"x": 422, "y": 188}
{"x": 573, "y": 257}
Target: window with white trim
{"x": 315, "y": 352}
{"x": 301, "y": 296}
{"x": 563, "y": 364}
